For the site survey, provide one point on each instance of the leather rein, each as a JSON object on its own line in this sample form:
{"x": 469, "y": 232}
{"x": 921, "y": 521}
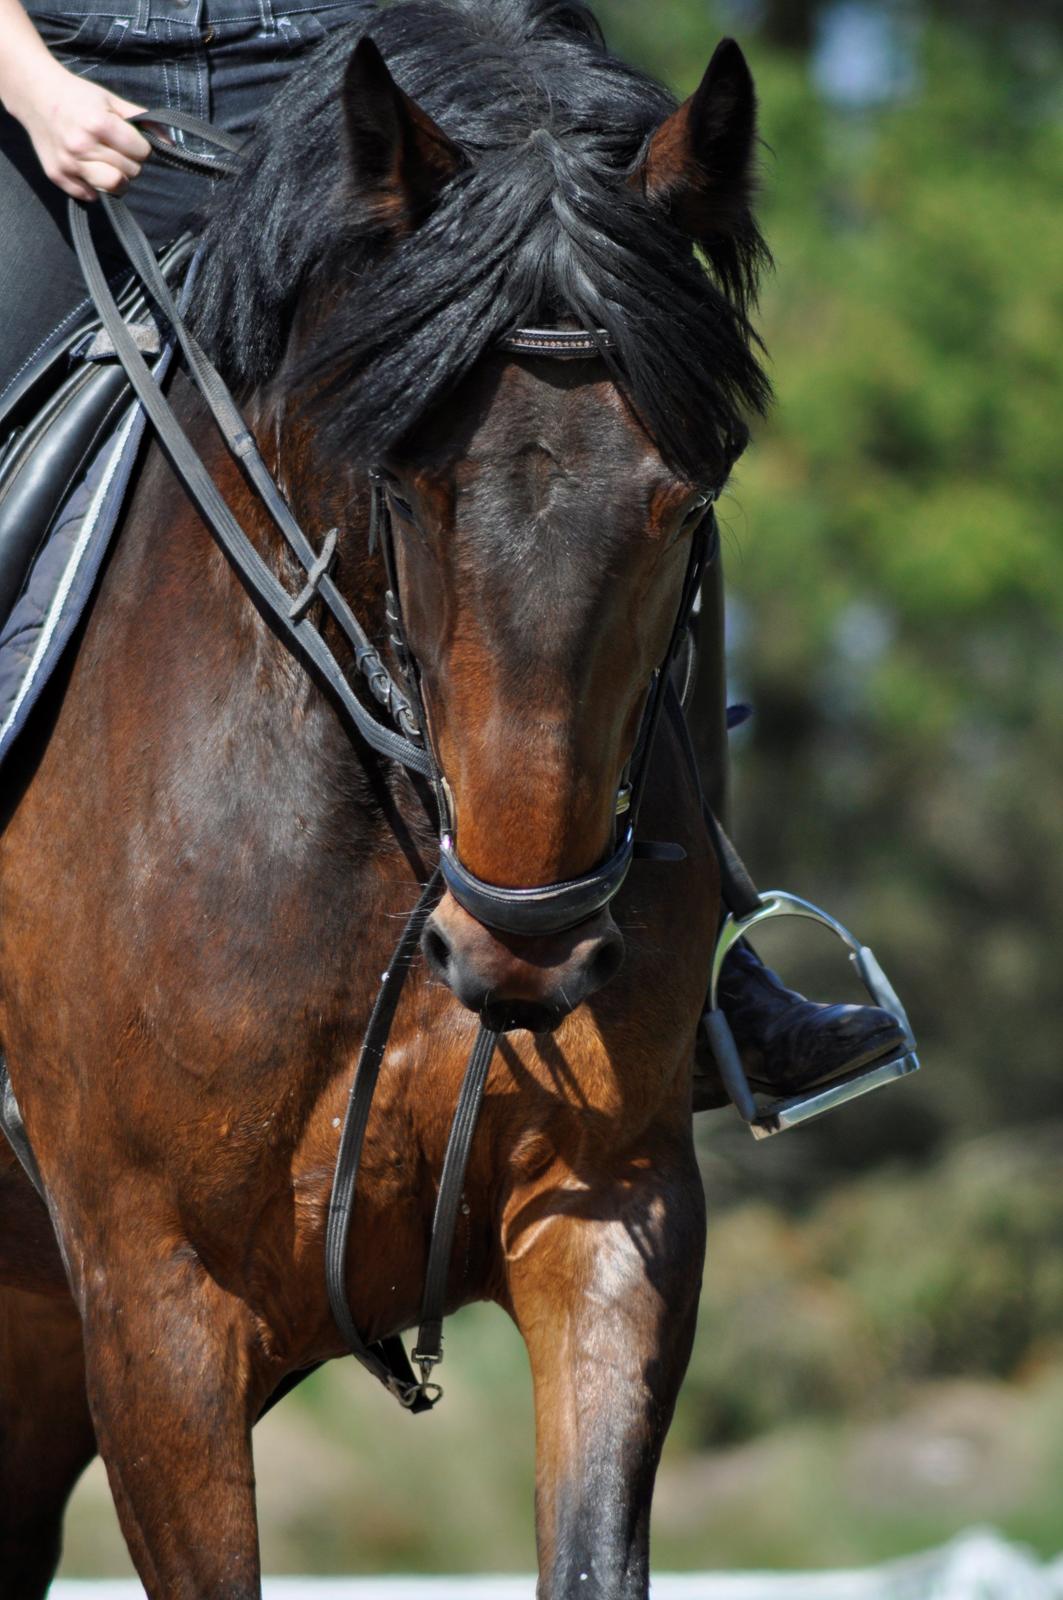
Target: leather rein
{"x": 542, "y": 909}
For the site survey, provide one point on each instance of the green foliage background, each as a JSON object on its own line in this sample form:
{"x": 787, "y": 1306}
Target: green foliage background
{"x": 879, "y": 1360}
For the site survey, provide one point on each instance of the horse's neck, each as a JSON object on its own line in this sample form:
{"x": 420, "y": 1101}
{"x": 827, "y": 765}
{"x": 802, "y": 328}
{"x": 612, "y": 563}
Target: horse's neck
{"x": 222, "y": 672}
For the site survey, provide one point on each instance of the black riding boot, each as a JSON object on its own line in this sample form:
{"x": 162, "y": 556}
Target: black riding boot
{"x": 786, "y": 1043}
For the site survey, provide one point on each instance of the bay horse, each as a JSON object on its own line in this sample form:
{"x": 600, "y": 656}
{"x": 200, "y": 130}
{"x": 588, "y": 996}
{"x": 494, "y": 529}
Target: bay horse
{"x": 203, "y": 869}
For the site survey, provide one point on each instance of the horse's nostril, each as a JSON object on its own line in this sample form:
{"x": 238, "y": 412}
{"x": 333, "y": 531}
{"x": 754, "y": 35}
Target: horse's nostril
{"x": 531, "y": 984}
{"x": 437, "y": 951}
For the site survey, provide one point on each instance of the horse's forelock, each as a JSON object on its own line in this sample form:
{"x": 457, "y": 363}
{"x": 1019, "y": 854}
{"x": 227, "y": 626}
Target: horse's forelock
{"x": 542, "y": 225}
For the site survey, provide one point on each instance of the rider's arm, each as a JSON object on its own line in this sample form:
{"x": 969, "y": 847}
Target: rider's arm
{"x": 77, "y": 127}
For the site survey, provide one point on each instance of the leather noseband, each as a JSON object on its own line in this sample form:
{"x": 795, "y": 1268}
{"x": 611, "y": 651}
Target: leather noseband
{"x": 551, "y": 908}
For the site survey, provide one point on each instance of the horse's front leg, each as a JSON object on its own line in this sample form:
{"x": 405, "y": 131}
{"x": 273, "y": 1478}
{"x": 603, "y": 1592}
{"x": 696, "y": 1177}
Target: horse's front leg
{"x": 168, "y": 1366}
{"x": 603, "y": 1276}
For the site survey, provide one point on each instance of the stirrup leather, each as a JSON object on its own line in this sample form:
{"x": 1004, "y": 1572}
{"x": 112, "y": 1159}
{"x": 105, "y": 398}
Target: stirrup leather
{"x": 768, "y": 1117}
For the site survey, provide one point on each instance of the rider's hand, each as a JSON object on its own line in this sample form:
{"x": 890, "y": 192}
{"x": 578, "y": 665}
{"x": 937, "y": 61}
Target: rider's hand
{"x": 79, "y": 132}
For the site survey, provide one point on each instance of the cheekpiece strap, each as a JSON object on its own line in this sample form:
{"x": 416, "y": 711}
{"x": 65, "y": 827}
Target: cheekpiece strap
{"x": 568, "y": 344}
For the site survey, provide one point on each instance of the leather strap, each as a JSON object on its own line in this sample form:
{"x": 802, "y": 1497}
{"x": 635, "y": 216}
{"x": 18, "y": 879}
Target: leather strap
{"x": 564, "y": 343}
{"x": 14, "y": 1129}
{"x": 737, "y": 888}
{"x": 179, "y": 156}
{"x": 382, "y": 1358}
{"x": 549, "y": 909}
{"x": 429, "y": 1347}
{"x": 242, "y": 445}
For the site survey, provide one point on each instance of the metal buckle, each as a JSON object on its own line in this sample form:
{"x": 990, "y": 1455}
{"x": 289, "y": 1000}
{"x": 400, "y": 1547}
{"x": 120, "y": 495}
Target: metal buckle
{"x": 408, "y": 1394}
{"x": 432, "y": 1392}
{"x": 405, "y": 1393}
{"x": 767, "y": 1119}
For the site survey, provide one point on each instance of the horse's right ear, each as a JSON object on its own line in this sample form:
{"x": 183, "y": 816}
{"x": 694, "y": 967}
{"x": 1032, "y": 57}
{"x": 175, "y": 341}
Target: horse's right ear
{"x": 699, "y": 164}
{"x": 399, "y": 160}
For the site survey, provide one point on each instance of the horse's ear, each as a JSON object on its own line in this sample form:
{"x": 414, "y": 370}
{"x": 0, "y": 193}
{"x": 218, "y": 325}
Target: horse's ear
{"x": 699, "y": 164}
{"x": 398, "y": 159}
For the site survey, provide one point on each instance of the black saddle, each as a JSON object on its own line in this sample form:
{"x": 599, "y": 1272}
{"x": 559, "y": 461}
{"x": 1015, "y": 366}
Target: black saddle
{"x": 55, "y": 418}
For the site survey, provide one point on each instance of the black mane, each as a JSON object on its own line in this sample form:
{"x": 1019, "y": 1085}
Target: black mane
{"x": 540, "y": 228}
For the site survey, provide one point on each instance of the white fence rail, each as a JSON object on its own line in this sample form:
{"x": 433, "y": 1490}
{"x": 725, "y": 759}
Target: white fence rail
{"x": 976, "y": 1566}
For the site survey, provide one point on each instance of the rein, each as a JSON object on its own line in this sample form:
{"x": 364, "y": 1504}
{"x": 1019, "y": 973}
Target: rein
{"x": 547, "y": 908}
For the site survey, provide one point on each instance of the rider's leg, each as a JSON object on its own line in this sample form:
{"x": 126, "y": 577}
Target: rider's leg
{"x": 41, "y": 292}
{"x": 226, "y": 73}
{"x": 786, "y": 1043}
{"x": 43, "y": 302}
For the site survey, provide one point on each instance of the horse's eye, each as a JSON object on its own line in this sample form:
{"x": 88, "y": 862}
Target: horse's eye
{"x": 390, "y": 484}
{"x": 695, "y": 514}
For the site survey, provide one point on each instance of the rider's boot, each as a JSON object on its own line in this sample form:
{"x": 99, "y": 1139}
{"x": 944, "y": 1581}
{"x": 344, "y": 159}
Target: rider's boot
{"x": 786, "y": 1044}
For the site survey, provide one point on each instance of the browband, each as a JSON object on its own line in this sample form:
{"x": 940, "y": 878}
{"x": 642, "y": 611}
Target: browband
{"x": 567, "y": 343}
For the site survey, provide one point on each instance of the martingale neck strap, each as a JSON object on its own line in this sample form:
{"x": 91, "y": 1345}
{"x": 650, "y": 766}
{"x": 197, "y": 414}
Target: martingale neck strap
{"x": 386, "y": 1359}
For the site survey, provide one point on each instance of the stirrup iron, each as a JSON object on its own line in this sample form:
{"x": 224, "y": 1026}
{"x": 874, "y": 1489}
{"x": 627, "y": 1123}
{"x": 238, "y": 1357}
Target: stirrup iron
{"x": 766, "y": 1118}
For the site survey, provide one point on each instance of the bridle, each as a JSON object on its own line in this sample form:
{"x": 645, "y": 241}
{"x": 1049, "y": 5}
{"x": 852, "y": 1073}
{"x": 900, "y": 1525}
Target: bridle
{"x": 552, "y": 907}
{"x": 542, "y": 909}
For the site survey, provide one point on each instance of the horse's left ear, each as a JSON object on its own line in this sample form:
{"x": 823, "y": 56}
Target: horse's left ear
{"x": 399, "y": 159}
{"x": 699, "y": 164}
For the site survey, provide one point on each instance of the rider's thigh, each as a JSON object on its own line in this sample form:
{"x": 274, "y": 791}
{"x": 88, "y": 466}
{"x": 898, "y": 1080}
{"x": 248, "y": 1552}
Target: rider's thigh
{"x": 220, "y": 60}
{"x": 41, "y": 292}
{"x": 249, "y": 59}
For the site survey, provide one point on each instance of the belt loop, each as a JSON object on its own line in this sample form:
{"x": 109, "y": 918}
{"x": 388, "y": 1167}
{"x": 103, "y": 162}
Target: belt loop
{"x": 269, "y": 21}
{"x": 143, "y": 16}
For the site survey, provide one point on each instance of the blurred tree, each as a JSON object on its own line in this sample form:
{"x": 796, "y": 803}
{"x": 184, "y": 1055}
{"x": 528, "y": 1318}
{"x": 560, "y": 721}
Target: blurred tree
{"x": 788, "y": 24}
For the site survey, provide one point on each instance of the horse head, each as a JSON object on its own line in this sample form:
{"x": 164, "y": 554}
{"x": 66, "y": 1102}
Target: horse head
{"x": 541, "y": 512}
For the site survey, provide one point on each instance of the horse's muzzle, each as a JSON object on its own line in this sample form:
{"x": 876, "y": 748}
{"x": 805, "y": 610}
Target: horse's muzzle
{"x": 515, "y": 980}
